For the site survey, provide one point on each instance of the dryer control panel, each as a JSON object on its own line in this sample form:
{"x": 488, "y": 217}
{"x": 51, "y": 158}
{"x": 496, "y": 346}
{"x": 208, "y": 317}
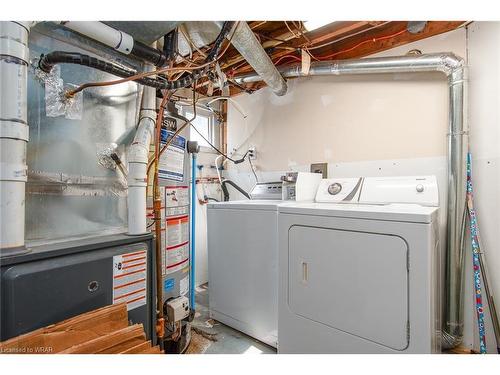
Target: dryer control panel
{"x": 337, "y": 190}
{"x": 422, "y": 190}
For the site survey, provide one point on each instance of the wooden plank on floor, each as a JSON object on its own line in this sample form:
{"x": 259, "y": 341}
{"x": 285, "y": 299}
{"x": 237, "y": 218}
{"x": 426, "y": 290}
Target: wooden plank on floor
{"x": 70, "y": 332}
{"x": 107, "y": 342}
{"x": 153, "y": 350}
{"x": 138, "y": 348}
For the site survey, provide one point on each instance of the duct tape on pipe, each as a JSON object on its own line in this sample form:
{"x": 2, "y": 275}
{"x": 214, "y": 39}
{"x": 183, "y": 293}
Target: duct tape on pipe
{"x": 126, "y": 43}
{"x": 13, "y": 172}
{"x": 11, "y": 47}
{"x": 14, "y": 130}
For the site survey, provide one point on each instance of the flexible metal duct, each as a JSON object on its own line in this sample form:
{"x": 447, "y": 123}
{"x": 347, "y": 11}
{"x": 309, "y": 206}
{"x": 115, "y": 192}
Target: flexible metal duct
{"x": 248, "y": 46}
{"x": 454, "y": 69}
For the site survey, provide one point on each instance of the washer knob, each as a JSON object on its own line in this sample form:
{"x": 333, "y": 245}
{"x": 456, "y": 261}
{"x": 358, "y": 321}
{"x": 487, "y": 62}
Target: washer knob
{"x": 334, "y": 188}
{"x": 420, "y": 188}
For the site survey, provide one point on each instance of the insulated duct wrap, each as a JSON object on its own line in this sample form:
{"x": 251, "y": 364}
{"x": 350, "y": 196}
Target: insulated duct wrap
{"x": 72, "y": 191}
{"x": 249, "y": 47}
{"x": 454, "y": 69}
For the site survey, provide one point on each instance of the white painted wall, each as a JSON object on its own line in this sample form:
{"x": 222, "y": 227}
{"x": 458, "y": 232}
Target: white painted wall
{"x": 383, "y": 125}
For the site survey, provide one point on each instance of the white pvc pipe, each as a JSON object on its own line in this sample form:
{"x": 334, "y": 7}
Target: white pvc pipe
{"x": 138, "y": 160}
{"x": 103, "y": 33}
{"x": 14, "y": 58}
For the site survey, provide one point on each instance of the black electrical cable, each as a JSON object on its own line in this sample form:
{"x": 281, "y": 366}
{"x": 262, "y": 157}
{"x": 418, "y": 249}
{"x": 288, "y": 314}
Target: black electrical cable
{"x": 170, "y": 43}
{"x": 253, "y": 170}
{"x": 47, "y": 62}
{"x": 237, "y": 161}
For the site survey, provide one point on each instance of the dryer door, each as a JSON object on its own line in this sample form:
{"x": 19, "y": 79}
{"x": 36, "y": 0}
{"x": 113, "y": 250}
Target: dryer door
{"x": 355, "y": 282}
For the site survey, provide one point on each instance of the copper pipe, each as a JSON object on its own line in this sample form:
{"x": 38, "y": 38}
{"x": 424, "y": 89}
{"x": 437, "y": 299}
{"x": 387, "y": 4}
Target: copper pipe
{"x": 160, "y": 326}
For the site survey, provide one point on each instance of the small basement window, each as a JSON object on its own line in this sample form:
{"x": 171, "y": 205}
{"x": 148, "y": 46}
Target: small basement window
{"x": 205, "y": 123}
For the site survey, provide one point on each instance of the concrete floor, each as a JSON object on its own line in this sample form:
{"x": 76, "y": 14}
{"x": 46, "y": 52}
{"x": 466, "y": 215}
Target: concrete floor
{"x": 229, "y": 341}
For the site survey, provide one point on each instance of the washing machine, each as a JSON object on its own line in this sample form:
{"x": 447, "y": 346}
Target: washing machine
{"x": 359, "y": 268}
{"x": 243, "y": 257}
{"x": 243, "y": 266}
{"x": 243, "y": 263}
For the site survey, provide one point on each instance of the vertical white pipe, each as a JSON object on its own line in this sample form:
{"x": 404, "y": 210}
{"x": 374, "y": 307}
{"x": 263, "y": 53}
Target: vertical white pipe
{"x": 138, "y": 160}
{"x": 14, "y": 58}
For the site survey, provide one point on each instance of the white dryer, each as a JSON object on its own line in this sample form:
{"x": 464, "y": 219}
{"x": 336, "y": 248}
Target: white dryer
{"x": 358, "y": 269}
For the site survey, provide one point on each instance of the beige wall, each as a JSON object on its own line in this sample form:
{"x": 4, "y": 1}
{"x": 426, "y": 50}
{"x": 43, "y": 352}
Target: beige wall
{"x": 346, "y": 119}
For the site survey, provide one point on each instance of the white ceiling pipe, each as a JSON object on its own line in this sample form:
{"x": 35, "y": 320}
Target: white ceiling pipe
{"x": 14, "y": 59}
{"x": 138, "y": 154}
{"x": 103, "y": 33}
{"x": 117, "y": 39}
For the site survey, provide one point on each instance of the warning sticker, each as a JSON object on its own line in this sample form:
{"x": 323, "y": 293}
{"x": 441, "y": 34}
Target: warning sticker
{"x": 177, "y": 257}
{"x": 171, "y": 166}
{"x": 130, "y": 279}
{"x": 184, "y": 285}
{"x": 177, "y": 230}
{"x": 176, "y": 200}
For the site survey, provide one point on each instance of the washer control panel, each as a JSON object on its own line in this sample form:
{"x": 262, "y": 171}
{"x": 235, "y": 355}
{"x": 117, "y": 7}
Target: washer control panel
{"x": 267, "y": 190}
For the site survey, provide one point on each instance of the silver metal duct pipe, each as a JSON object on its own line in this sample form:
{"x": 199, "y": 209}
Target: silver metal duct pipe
{"x": 454, "y": 69}
{"x": 245, "y": 41}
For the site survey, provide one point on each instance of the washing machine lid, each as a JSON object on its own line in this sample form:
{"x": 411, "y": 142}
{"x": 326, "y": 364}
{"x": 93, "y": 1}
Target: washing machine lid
{"x": 257, "y": 204}
{"x": 413, "y": 213}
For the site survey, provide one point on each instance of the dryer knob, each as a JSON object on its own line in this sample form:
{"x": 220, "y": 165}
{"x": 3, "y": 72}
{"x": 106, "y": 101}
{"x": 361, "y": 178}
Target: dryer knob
{"x": 420, "y": 188}
{"x": 334, "y": 188}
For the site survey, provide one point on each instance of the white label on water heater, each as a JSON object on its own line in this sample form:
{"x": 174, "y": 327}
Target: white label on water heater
{"x": 184, "y": 285}
{"x": 177, "y": 243}
{"x": 175, "y": 238}
{"x": 171, "y": 166}
{"x": 176, "y": 200}
{"x": 130, "y": 279}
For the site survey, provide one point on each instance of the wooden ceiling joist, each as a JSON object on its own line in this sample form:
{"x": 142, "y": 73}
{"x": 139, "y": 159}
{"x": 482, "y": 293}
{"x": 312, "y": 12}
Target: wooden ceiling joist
{"x": 338, "y": 40}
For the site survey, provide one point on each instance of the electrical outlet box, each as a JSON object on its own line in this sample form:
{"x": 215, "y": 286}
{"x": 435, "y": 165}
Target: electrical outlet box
{"x": 320, "y": 168}
{"x": 177, "y": 309}
{"x": 252, "y": 153}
